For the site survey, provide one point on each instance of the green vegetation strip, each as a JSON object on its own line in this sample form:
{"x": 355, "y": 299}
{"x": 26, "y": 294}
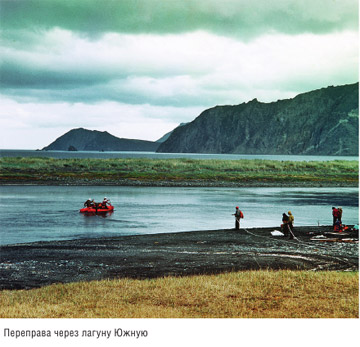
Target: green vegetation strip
{"x": 248, "y": 294}
{"x": 23, "y": 169}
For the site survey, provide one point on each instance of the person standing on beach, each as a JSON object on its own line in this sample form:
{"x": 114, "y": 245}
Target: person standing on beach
{"x": 238, "y": 214}
{"x": 335, "y": 213}
{"x": 340, "y": 212}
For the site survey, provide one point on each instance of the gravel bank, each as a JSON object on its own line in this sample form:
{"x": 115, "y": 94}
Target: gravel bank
{"x": 31, "y": 265}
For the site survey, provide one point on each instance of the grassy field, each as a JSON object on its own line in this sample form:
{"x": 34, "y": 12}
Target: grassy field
{"x": 244, "y": 171}
{"x": 249, "y": 294}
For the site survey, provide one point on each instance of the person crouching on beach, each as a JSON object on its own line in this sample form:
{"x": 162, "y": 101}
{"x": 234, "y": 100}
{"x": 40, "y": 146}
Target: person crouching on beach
{"x": 238, "y": 214}
{"x": 285, "y": 225}
{"x": 291, "y": 223}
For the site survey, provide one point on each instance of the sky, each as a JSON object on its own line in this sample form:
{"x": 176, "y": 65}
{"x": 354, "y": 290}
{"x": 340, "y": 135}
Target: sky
{"x": 138, "y": 68}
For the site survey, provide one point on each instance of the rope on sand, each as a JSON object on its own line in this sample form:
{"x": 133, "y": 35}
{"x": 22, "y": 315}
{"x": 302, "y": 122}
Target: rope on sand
{"x": 305, "y": 244}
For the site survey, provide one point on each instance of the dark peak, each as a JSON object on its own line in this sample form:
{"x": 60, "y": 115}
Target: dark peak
{"x": 83, "y": 130}
{"x": 81, "y": 139}
{"x": 77, "y": 130}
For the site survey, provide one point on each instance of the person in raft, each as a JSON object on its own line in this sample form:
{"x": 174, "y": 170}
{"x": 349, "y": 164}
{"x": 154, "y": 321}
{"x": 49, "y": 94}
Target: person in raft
{"x": 238, "y": 214}
{"x": 105, "y": 203}
{"x": 88, "y": 202}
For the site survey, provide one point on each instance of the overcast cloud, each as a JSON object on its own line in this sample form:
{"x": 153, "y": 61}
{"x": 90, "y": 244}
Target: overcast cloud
{"x": 137, "y": 68}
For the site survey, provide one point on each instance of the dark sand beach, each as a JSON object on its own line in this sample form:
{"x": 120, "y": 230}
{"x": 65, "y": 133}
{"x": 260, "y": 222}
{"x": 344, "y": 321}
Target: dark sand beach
{"x": 31, "y": 265}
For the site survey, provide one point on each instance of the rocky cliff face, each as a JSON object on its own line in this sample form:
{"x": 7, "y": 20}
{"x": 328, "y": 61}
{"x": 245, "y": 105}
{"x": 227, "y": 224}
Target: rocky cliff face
{"x": 321, "y": 122}
{"x": 93, "y": 140}
{"x": 167, "y": 135}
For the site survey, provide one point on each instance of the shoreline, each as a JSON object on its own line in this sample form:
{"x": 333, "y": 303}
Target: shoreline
{"x": 37, "y": 264}
{"x": 174, "y": 183}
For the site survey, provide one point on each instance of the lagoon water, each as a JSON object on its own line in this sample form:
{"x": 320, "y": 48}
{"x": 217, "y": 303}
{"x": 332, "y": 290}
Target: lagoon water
{"x": 45, "y": 213}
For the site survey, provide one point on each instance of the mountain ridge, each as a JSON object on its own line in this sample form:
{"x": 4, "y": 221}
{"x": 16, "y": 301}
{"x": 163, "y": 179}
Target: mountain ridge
{"x": 319, "y": 122}
{"x": 81, "y": 139}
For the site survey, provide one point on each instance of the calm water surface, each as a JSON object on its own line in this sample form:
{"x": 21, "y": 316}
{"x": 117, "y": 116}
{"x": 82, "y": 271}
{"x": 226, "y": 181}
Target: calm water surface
{"x": 44, "y": 213}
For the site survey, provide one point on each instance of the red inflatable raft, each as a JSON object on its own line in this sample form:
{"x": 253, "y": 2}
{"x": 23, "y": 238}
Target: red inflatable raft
{"x": 99, "y": 210}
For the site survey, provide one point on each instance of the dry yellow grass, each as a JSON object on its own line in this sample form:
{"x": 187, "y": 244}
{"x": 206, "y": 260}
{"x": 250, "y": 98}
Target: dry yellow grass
{"x": 250, "y": 294}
